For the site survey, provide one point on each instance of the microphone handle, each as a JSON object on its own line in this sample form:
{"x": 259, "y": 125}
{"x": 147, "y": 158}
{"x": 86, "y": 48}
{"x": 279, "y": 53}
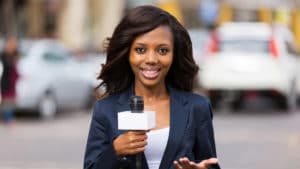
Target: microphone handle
{"x": 138, "y": 161}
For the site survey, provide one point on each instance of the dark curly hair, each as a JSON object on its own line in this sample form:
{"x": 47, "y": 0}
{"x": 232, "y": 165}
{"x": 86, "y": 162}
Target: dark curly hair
{"x": 116, "y": 73}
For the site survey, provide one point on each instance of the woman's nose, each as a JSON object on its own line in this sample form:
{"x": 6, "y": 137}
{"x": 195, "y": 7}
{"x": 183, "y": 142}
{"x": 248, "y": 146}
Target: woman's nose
{"x": 152, "y": 57}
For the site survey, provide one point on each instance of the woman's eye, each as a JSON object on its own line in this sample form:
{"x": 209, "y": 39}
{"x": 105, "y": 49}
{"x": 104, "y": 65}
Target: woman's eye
{"x": 140, "y": 50}
{"x": 163, "y": 51}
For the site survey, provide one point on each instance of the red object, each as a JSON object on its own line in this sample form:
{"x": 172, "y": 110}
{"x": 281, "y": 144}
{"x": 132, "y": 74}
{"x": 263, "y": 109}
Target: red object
{"x": 273, "y": 47}
{"x": 251, "y": 95}
{"x": 212, "y": 44}
{"x": 13, "y": 77}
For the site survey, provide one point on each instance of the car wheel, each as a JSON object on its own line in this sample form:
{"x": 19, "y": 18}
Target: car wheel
{"x": 47, "y": 107}
{"x": 291, "y": 101}
{"x": 215, "y": 98}
{"x": 238, "y": 101}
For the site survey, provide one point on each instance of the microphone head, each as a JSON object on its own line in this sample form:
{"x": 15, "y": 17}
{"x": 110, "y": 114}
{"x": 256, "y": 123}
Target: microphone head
{"x": 136, "y": 104}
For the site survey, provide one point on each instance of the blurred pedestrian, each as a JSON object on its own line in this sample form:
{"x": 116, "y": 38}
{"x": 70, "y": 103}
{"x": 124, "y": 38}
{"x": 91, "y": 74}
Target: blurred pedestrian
{"x": 150, "y": 55}
{"x": 9, "y": 58}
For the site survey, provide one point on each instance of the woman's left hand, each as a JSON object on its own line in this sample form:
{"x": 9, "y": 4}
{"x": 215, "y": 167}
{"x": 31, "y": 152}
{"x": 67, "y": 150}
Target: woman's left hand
{"x": 185, "y": 163}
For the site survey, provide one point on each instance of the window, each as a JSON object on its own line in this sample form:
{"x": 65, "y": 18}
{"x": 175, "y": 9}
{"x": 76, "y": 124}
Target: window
{"x": 54, "y": 57}
{"x": 252, "y": 46}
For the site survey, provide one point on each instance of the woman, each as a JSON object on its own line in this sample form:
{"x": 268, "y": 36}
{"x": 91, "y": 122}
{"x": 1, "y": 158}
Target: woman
{"x": 9, "y": 58}
{"x": 150, "y": 55}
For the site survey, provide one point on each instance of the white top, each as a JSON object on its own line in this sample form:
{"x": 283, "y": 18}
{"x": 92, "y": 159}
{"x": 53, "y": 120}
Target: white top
{"x": 157, "y": 142}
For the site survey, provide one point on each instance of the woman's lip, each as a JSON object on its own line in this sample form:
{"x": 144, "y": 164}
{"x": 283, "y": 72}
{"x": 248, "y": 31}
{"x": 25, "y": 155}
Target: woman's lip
{"x": 150, "y": 68}
{"x": 150, "y": 74}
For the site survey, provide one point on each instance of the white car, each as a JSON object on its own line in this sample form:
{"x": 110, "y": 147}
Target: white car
{"x": 51, "y": 80}
{"x": 251, "y": 58}
{"x": 1, "y": 72}
{"x": 92, "y": 64}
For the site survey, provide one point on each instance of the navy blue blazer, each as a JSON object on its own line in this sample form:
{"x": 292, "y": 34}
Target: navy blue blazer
{"x": 191, "y": 131}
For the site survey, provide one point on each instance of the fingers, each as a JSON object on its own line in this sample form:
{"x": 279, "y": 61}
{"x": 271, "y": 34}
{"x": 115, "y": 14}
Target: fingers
{"x": 209, "y": 162}
{"x": 131, "y": 142}
{"x": 185, "y": 163}
{"x": 137, "y": 144}
{"x": 139, "y": 131}
{"x": 177, "y": 165}
{"x": 137, "y": 140}
{"x": 135, "y": 150}
{"x": 136, "y": 136}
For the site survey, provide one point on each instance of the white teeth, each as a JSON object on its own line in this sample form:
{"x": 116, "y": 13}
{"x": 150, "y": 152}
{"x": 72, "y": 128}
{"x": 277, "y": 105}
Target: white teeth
{"x": 150, "y": 73}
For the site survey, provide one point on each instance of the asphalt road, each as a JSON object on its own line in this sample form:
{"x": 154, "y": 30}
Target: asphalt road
{"x": 245, "y": 140}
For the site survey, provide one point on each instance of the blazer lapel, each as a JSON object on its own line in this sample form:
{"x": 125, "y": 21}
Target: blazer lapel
{"x": 123, "y": 104}
{"x": 178, "y": 121}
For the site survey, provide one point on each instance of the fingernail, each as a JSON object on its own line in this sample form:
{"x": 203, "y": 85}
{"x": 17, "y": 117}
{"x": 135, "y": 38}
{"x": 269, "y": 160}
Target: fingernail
{"x": 215, "y": 160}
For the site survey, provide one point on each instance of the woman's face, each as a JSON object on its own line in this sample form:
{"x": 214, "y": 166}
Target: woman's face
{"x": 11, "y": 45}
{"x": 151, "y": 56}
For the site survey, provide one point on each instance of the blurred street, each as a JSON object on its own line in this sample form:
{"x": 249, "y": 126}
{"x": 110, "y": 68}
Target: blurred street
{"x": 248, "y": 139}
{"x": 248, "y": 53}
{"x": 34, "y": 144}
{"x": 256, "y": 141}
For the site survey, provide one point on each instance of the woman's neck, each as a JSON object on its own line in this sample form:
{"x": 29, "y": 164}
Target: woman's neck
{"x": 152, "y": 94}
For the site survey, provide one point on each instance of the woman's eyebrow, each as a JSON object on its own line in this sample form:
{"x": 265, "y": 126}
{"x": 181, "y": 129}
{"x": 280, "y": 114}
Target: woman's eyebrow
{"x": 139, "y": 43}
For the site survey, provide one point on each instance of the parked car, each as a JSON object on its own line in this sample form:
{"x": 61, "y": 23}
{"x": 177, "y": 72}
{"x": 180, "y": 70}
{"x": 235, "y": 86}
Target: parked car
{"x": 198, "y": 38}
{"x": 91, "y": 65}
{"x": 247, "y": 58}
{"x": 2, "y": 43}
{"x": 51, "y": 80}
{"x": 1, "y": 72}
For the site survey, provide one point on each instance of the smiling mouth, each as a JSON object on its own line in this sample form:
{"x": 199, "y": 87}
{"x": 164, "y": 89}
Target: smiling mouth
{"x": 150, "y": 73}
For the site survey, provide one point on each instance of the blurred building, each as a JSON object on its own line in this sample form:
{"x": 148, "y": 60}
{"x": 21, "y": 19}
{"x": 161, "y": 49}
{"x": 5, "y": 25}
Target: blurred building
{"x": 84, "y": 24}
{"x": 283, "y": 12}
{"x": 81, "y": 24}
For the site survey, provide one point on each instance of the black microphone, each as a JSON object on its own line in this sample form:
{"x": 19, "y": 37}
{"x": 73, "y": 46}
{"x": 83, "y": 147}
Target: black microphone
{"x": 136, "y": 119}
{"x": 137, "y": 106}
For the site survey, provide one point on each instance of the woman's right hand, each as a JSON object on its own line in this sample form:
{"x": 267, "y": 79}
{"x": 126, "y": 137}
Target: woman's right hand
{"x": 130, "y": 143}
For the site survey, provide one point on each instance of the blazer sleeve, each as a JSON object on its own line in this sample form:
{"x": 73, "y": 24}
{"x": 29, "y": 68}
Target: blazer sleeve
{"x": 100, "y": 152}
{"x": 205, "y": 142}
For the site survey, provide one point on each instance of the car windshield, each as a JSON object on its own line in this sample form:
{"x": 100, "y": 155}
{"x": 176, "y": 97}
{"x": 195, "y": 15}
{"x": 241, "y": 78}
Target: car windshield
{"x": 54, "y": 57}
{"x": 253, "y": 46}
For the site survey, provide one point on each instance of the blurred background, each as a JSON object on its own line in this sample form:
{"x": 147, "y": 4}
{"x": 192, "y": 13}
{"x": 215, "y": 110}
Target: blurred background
{"x": 248, "y": 53}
